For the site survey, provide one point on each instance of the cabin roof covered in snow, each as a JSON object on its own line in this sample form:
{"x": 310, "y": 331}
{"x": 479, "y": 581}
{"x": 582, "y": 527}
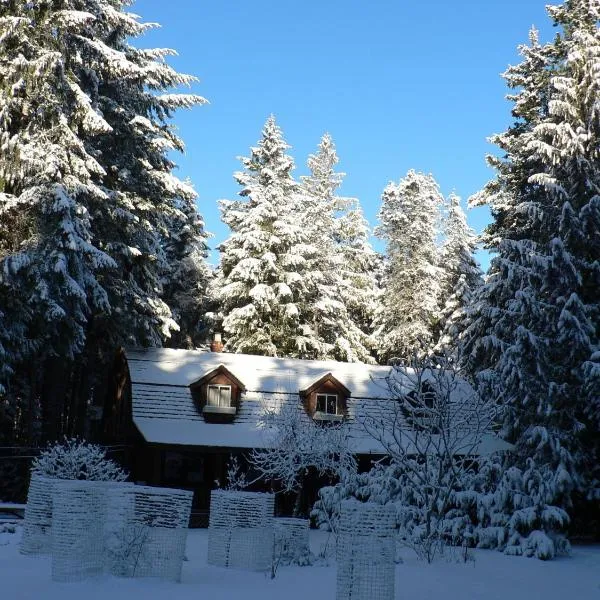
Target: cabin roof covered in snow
{"x": 165, "y": 412}
{"x": 258, "y": 373}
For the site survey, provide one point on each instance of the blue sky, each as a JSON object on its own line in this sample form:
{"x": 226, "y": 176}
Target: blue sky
{"x": 398, "y": 84}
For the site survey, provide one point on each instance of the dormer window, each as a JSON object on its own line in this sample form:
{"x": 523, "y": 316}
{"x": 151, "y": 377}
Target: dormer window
{"x": 422, "y": 410}
{"x": 326, "y": 399}
{"x": 217, "y": 395}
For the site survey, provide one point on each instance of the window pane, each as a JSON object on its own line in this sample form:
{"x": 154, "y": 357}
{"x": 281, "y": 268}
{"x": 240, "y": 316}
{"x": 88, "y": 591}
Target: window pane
{"x": 321, "y": 403}
{"x": 225, "y": 396}
{"x": 332, "y": 405}
{"x": 213, "y": 395}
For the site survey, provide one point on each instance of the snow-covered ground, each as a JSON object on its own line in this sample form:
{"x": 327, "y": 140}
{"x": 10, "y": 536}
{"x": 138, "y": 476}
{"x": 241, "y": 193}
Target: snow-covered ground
{"x": 492, "y": 576}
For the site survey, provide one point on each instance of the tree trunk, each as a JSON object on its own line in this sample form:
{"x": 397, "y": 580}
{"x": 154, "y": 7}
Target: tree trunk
{"x": 298, "y": 501}
{"x": 54, "y": 390}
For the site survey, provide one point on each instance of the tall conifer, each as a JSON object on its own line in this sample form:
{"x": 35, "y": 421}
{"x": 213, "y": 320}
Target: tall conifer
{"x": 409, "y": 224}
{"x": 534, "y": 339}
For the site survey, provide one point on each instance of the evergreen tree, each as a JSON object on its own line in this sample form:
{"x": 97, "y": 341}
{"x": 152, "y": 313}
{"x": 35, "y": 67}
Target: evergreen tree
{"x": 48, "y": 175}
{"x": 148, "y": 209}
{"x": 186, "y": 282}
{"x": 264, "y": 285}
{"x": 461, "y": 275}
{"x": 343, "y": 264}
{"x": 360, "y": 268}
{"x": 409, "y": 224}
{"x": 86, "y": 193}
{"x": 534, "y": 339}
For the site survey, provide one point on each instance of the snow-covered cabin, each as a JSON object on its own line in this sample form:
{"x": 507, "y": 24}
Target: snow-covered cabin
{"x": 192, "y": 409}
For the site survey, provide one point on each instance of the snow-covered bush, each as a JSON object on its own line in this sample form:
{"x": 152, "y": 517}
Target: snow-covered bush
{"x": 236, "y": 476}
{"x": 426, "y": 522}
{"x": 10, "y": 527}
{"x": 494, "y": 507}
{"x": 291, "y": 545}
{"x": 77, "y": 459}
{"x": 434, "y": 431}
{"x": 518, "y": 518}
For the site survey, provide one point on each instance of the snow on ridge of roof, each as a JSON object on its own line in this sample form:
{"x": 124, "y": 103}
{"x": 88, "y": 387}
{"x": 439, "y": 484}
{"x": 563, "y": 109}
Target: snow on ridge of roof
{"x": 169, "y": 366}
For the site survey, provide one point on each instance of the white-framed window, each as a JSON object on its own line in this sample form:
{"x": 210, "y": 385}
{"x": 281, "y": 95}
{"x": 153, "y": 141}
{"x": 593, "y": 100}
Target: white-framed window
{"x": 218, "y": 396}
{"x": 328, "y": 404}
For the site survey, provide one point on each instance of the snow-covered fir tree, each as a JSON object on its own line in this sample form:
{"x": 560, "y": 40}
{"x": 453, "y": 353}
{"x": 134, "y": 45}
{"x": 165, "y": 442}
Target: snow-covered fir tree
{"x": 461, "y": 275}
{"x": 361, "y": 268}
{"x": 48, "y": 176}
{"x": 264, "y": 286}
{"x": 186, "y": 282}
{"x": 409, "y": 224}
{"x": 86, "y": 190}
{"x": 343, "y": 266}
{"x": 534, "y": 339}
{"x": 148, "y": 208}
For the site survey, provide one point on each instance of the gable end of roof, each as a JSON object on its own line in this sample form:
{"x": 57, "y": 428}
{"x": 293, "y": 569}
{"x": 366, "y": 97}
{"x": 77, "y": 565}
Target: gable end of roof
{"x": 220, "y": 370}
{"x": 328, "y": 377}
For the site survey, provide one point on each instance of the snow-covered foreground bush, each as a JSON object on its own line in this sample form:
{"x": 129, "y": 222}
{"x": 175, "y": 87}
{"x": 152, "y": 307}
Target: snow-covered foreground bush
{"x": 77, "y": 459}
{"x": 10, "y": 527}
{"x": 492, "y": 576}
{"x": 291, "y": 542}
{"x": 446, "y": 487}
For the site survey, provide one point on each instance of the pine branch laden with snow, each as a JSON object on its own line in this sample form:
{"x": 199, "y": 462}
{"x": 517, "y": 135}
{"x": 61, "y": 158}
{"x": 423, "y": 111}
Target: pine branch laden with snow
{"x": 533, "y": 331}
{"x": 294, "y": 443}
{"x": 77, "y": 459}
{"x": 409, "y": 224}
{"x": 186, "y": 282}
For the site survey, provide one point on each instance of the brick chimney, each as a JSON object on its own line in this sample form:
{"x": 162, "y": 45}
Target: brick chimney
{"x": 216, "y": 345}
